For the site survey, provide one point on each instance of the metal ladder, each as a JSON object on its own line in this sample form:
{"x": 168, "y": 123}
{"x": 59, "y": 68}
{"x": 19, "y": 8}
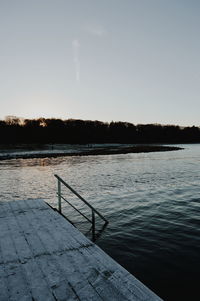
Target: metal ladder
{"x": 94, "y": 211}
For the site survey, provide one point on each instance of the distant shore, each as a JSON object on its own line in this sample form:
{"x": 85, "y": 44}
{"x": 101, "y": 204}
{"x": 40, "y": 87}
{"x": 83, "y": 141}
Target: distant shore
{"x": 107, "y": 150}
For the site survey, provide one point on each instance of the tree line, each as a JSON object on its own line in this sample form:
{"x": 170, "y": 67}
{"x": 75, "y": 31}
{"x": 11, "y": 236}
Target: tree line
{"x": 15, "y": 130}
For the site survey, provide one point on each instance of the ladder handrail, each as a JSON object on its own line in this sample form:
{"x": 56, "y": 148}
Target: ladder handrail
{"x": 75, "y": 208}
{"x": 80, "y": 197}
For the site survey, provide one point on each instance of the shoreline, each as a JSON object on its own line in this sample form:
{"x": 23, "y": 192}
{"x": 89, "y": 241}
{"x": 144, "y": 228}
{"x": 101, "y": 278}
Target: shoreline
{"x": 89, "y": 152}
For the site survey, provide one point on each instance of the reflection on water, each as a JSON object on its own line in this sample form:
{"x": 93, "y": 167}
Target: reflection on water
{"x": 151, "y": 201}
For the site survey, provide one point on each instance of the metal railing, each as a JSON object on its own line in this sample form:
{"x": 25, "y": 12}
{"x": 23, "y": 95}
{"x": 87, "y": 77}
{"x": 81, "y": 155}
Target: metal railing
{"x": 93, "y": 210}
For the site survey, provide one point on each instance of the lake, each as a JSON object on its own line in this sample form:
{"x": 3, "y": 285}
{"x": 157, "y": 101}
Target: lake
{"x": 150, "y": 199}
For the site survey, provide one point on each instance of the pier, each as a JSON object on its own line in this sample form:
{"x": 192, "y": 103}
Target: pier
{"x": 45, "y": 258}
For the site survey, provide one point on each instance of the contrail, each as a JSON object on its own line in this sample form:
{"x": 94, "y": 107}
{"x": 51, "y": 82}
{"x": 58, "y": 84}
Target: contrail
{"x": 76, "y": 46}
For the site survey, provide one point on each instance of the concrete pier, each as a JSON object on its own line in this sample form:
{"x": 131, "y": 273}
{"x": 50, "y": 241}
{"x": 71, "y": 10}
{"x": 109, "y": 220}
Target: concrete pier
{"x": 44, "y": 258}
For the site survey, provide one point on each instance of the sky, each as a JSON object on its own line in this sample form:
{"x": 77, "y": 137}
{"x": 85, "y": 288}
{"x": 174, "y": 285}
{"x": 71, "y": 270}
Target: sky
{"x": 120, "y": 60}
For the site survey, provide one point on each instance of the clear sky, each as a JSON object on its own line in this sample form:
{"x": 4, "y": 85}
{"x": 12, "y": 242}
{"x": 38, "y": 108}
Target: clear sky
{"x": 121, "y": 60}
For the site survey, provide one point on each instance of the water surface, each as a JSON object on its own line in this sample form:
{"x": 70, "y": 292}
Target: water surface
{"x": 150, "y": 199}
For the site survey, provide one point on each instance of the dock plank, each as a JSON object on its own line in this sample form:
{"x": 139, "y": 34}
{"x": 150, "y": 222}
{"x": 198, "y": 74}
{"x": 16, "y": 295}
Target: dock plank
{"x": 39, "y": 287}
{"x": 45, "y": 258}
{"x": 4, "y": 295}
{"x": 7, "y": 245}
{"x": 17, "y": 283}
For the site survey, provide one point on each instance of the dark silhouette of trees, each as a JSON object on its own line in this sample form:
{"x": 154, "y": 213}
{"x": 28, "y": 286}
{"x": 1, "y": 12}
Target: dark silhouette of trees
{"x": 15, "y": 130}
